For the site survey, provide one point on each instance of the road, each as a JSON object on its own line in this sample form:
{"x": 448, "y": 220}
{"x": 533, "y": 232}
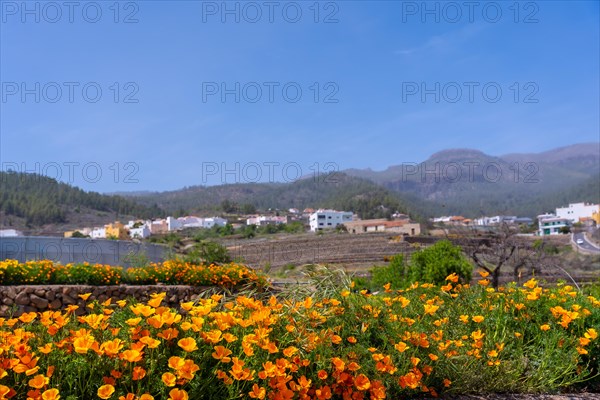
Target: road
{"x": 586, "y": 245}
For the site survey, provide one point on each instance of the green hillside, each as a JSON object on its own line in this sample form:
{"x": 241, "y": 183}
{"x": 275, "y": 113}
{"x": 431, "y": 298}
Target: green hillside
{"x": 41, "y": 200}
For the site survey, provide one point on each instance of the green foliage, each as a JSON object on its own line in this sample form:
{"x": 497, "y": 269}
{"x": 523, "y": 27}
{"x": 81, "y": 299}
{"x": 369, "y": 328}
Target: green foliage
{"x": 208, "y": 252}
{"x": 395, "y": 273}
{"x": 434, "y": 263}
{"x": 78, "y": 234}
{"x": 229, "y": 206}
{"x": 136, "y": 260}
{"x": 565, "y": 229}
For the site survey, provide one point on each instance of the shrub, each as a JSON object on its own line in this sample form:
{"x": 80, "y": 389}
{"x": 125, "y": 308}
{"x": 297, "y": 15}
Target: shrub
{"x": 395, "y": 273}
{"x": 434, "y": 263}
{"x": 208, "y": 252}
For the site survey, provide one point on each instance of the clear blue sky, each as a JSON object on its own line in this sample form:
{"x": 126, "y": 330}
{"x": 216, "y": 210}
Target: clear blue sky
{"x": 373, "y": 58}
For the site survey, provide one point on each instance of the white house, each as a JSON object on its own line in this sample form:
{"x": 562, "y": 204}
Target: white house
{"x": 10, "y": 233}
{"x": 212, "y": 221}
{"x": 573, "y": 212}
{"x": 141, "y": 232}
{"x": 550, "y": 224}
{"x": 261, "y": 220}
{"x": 496, "y": 220}
{"x": 98, "y": 233}
{"x": 173, "y": 224}
{"x": 191, "y": 222}
{"x": 328, "y": 219}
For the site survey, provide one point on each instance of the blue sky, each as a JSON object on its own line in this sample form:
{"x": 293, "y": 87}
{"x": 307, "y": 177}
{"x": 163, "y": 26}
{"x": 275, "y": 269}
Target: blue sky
{"x": 379, "y": 86}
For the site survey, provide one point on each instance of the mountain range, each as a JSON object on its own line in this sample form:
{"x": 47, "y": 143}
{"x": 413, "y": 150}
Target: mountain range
{"x": 459, "y": 181}
{"x": 451, "y": 182}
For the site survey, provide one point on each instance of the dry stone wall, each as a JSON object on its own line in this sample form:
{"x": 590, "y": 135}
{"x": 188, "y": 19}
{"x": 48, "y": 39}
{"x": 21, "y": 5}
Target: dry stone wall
{"x": 16, "y": 300}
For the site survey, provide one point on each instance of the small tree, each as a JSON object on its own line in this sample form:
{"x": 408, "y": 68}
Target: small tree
{"x": 434, "y": 263}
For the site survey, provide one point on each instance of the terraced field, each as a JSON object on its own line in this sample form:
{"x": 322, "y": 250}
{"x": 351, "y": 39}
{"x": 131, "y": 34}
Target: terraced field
{"x": 285, "y": 255}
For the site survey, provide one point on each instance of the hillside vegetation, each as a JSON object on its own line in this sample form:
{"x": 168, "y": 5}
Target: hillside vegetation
{"x": 41, "y": 200}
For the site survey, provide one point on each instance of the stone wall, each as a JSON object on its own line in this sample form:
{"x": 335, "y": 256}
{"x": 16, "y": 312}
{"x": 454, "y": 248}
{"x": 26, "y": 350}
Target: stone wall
{"x": 15, "y": 300}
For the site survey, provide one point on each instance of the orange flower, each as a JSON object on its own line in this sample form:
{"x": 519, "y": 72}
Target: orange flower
{"x": 401, "y": 347}
{"x": 84, "y": 296}
{"x": 177, "y": 394}
{"x": 477, "y": 335}
{"x": 168, "y": 334}
{"x": 338, "y": 363}
{"x": 188, "y": 344}
{"x": 362, "y": 382}
{"x": 132, "y": 355}
{"x": 6, "y": 392}
{"x": 322, "y": 374}
{"x": 176, "y": 362}
{"x": 430, "y": 309}
{"x": 51, "y": 394}
{"x": 45, "y": 349}
{"x": 116, "y": 374}
{"x": 222, "y": 353}
{"x": 150, "y": 342}
{"x": 169, "y": 379}
{"x": 257, "y": 392}
{"x": 452, "y": 277}
{"x": 288, "y": 352}
{"x": 545, "y": 327}
{"x": 351, "y": 339}
{"x": 478, "y": 318}
{"x": 323, "y": 393}
{"x": 83, "y": 343}
{"x": 105, "y": 391}
{"x": 38, "y": 381}
{"x": 112, "y": 347}
{"x": 138, "y": 373}
{"x": 27, "y": 317}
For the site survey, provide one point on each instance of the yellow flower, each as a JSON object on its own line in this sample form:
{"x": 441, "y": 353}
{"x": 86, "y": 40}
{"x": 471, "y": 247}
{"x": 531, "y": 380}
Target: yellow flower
{"x": 591, "y": 334}
{"x": 401, "y": 347}
{"x": 545, "y": 327}
{"x": 478, "y": 318}
{"x": 530, "y": 284}
{"x": 430, "y": 309}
